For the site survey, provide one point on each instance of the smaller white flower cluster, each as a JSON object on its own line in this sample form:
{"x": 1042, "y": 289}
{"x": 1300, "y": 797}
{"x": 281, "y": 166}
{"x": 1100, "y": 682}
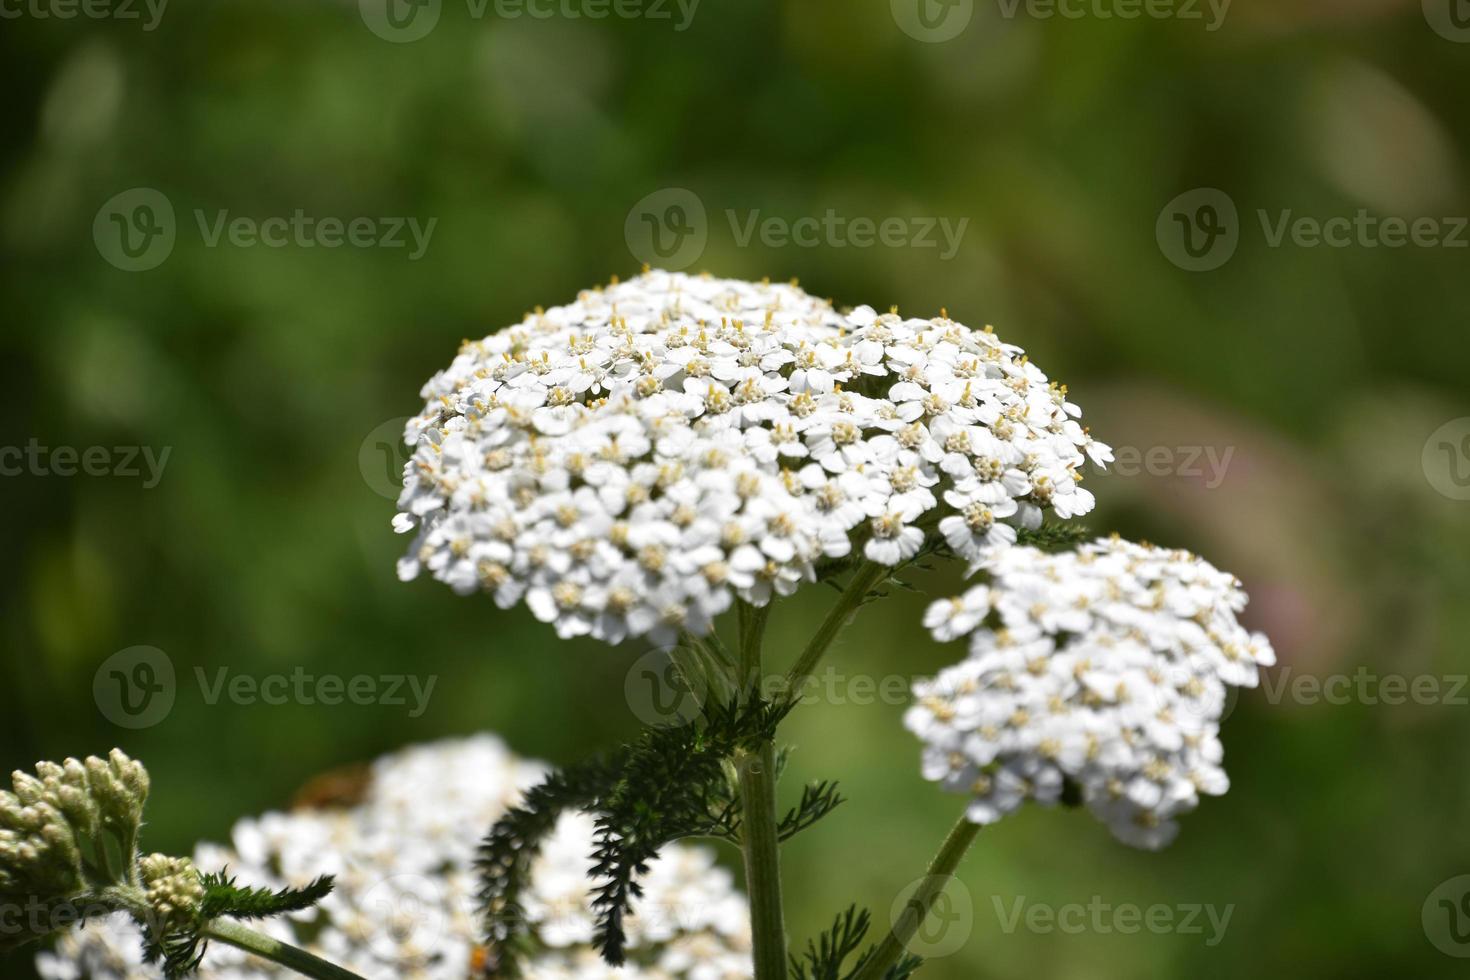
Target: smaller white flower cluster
{"x": 405, "y": 903}
{"x": 1106, "y": 667}
{"x": 629, "y": 463}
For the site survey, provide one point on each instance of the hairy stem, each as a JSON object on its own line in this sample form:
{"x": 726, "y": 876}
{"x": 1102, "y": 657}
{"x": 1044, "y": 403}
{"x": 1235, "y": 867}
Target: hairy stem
{"x": 864, "y": 579}
{"x": 291, "y": 957}
{"x": 758, "y": 802}
{"x": 917, "y": 909}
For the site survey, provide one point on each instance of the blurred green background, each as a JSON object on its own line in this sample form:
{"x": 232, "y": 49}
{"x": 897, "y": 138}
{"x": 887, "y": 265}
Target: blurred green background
{"x": 271, "y": 372}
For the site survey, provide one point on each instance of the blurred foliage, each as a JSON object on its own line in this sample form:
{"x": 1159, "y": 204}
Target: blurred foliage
{"x": 266, "y": 547}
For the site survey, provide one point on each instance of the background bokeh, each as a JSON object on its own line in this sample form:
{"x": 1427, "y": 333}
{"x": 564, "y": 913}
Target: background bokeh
{"x": 271, "y": 373}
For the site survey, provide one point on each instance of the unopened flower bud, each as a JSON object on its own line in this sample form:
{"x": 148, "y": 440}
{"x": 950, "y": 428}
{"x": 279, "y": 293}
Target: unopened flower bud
{"x": 132, "y": 774}
{"x": 173, "y": 888}
{"x": 28, "y": 788}
{"x": 119, "y": 809}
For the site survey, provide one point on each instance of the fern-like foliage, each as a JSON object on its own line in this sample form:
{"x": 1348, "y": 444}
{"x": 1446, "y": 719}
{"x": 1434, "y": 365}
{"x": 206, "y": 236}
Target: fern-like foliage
{"x": 826, "y": 954}
{"x": 674, "y": 784}
{"x": 223, "y": 897}
{"x": 505, "y": 855}
{"x": 817, "y": 800}
{"x": 179, "y": 949}
{"x": 177, "y": 953}
{"x": 825, "y": 957}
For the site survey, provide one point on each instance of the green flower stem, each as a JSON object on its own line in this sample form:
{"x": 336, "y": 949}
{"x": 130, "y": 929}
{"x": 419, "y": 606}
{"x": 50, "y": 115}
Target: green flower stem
{"x": 760, "y": 844}
{"x": 133, "y": 901}
{"x": 752, "y": 632}
{"x": 291, "y": 957}
{"x": 868, "y": 575}
{"x": 763, "y": 861}
{"x": 941, "y": 869}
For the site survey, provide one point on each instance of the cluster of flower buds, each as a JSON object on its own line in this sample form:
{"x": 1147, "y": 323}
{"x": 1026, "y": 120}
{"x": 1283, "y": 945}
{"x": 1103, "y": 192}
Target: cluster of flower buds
{"x": 173, "y": 889}
{"x": 53, "y": 830}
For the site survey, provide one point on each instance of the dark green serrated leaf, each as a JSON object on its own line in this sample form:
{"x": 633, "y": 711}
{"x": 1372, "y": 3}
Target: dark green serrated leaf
{"x": 223, "y": 897}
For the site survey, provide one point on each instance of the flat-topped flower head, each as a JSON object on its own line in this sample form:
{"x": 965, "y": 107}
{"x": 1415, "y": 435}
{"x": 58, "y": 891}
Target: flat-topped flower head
{"x": 1106, "y": 667}
{"x": 630, "y": 463}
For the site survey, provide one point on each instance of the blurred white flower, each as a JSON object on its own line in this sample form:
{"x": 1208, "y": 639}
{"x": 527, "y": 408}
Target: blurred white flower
{"x": 630, "y": 463}
{"x": 1106, "y": 667}
{"x": 405, "y": 903}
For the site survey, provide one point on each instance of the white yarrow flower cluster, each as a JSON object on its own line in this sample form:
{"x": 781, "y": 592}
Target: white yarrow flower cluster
{"x": 405, "y": 904}
{"x": 631, "y": 462}
{"x": 1106, "y": 667}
